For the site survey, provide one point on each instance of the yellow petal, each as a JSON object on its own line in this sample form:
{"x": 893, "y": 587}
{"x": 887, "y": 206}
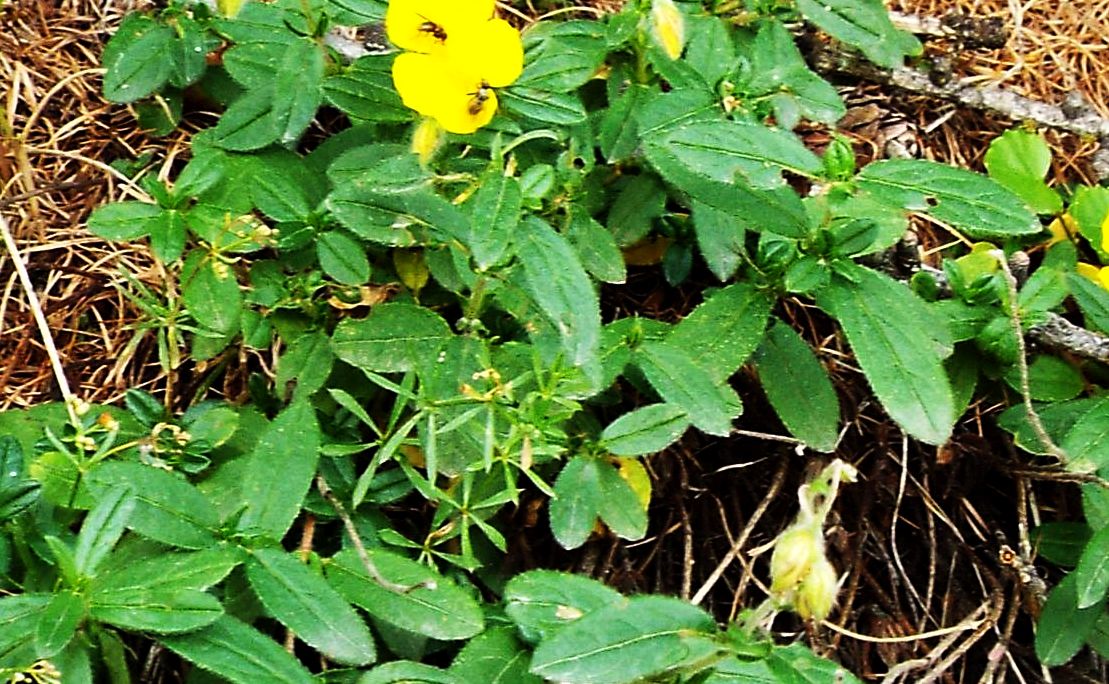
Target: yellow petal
{"x": 489, "y": 51}
{"x": 668, "y": 26}
{"x": 418, "y": 79}
{"x": 424, "y": 25}
{"x": 1103, "y": 277}
{"x": 1105, "y": 234}
{"x": 466, "y": 110}
{"x": 1089, "y": 271}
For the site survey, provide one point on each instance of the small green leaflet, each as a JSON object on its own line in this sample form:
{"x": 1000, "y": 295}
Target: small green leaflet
{"x": 589, "y": 488}
{"x": 645, "y": 430}
{"x": 239, "y": 653}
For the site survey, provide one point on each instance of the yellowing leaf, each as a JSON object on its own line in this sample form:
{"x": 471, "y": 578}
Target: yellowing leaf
{"x": 637, "y": 478}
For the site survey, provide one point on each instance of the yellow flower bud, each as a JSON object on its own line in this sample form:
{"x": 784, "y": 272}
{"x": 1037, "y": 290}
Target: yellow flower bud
{"x": 818, "y": 591}
{"x": 668, "y": 27}
{"x": 229, "y": 8}
{"x": 795, "y": 553}
{"x": 426, "y": 139}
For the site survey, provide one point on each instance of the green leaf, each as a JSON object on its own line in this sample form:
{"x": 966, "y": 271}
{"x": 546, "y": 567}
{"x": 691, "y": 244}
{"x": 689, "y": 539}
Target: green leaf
{"x": 302, "y": 601}
{"x": 409, "y": 672}
{"x": 642, "y": 638}
{"x": 167, "y": 235}
{"x": 589, "y": 488}
{"x": 1050, "y": 379}
{"x": 123, "y": 220}
{"x": 778, "y": 70}
{"x": 1019, "y": 160}
{"x": 444, "y": 612}
{"x": 797, "y": 664}
{"x": 776, "y": 209}
{"x": 140, "y": 65}
{"x": 143, "y": 611}
{"x": 17, "y": 491}
{"x": 211, "y": 295}
{"x": 563, "y": 109}
{"x": 1061, "y": 542}
{"x": 166, "y": 572}
{"x": 1045, "y": 290}
{"x": 645, "y": 430}
{"x": 58, "y": 623}
{"x": 494, "y": 215}
{"x": 395, "y": 337}
{"x": 1093, "y": 300}
{"x": 863, "y": 24}
{"x": 562, "y": 56}
{"x": 305, "y": 365}
{"x": 249, "y": 123}
{"x": 239, "y": 653}
{"x": 166, "y": 507}
{"x": 619, "y": 129}
{"x": 727, "y": 150}
{"x": 1092, "y": 571}
{"x": 19, "y": 619}
{"x": 296, "y": 89}
{"x": 709, "y": 49}
{"x": 495, "y": 656}
{"x": 710, "y": 403}
{"x": 1087, "y": 443}
{"x": 979, "y": 207}
{"x": 102, "y": 528}
{"x": 638, "y": 204}
{"x": 1063, "y": 626}
{"x": 720, "y": 237}
{"x": 1090, "y": 208}
{"x": 542, "y": 602}
{"x": 342, "y": 258}
{"x": 900, "y": 344}
{"x": 798, "y": 388}
{"x": 279, "y": 471}
{"x": 596, "y": 247}
{"x": 557, "y": 282}
{"x": 1057, "y": 420}
{"x": 724, "y": 330}
{"x": 364, "y": 91}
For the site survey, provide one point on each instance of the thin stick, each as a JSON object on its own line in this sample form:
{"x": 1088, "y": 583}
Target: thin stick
{"x": 771, "y": 494}
{"x": 360, "y": 548}
{"x": 1022, "y": 361}
{"x": 40, "y": 317}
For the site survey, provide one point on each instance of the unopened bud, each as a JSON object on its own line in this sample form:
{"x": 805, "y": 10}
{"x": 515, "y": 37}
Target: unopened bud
{"x": 426, "y": 139}
{"x": 795, "y": 553}
{"x": 818, "y": 591}
{"x": 668, "y": 27}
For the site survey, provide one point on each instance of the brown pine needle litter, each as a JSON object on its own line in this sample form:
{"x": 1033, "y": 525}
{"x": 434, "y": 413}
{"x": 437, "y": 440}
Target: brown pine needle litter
{"x": 926, "y": 587}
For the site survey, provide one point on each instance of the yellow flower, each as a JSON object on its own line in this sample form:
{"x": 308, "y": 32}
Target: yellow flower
{"x": 668, "y": 27}
{"x": 1098, "y": 274}
{"x": 1062, "y": 228}
{"x": 457, "y": 54}
{"x": 424, "y": 25}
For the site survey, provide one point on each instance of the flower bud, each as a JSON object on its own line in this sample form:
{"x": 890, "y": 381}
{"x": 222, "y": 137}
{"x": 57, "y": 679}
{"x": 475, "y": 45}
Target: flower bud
{"x": 668, "y": 27}
{"x": 795, "y": 553}
{"x": 426, "y": 139}
{"x": 818, "y": 591}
